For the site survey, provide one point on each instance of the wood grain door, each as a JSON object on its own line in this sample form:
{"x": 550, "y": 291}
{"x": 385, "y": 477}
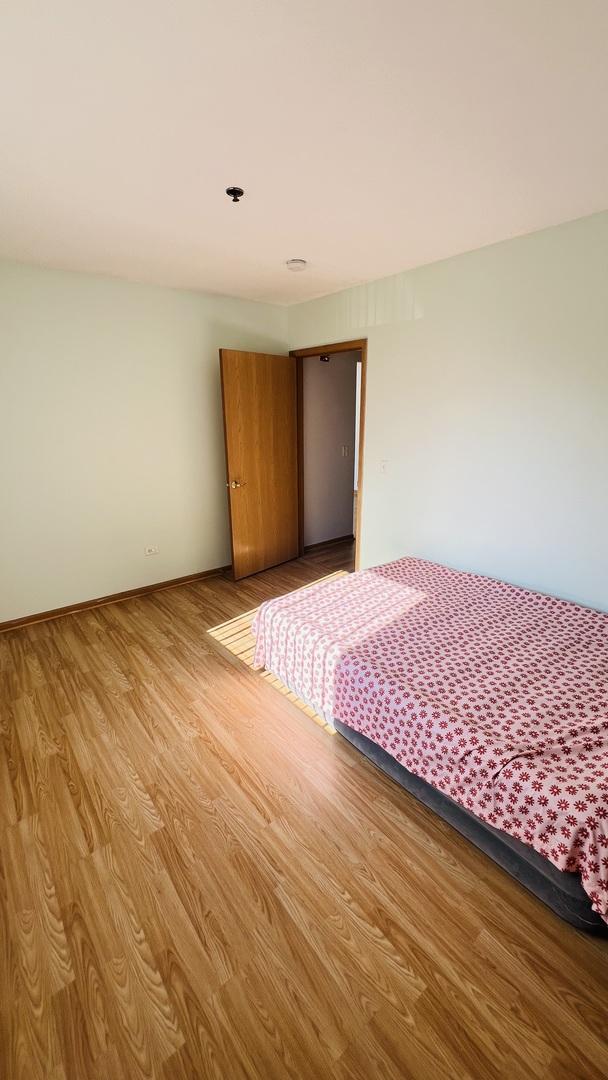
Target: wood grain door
{"x": 260, "y": 426}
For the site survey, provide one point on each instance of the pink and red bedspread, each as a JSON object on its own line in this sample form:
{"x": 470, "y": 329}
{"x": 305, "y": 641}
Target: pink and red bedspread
{"x": 495, "y": 695}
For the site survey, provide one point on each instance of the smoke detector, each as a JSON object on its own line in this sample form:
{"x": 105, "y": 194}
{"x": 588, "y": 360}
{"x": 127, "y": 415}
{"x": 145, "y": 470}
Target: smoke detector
{"x": 296, "y": 265}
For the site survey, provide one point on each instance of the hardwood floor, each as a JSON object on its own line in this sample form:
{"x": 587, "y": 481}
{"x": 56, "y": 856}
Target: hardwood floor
{"x": 197, "y": 882}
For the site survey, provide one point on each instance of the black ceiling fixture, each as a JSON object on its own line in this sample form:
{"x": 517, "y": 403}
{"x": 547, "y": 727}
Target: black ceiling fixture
{"x": 235, "y": 193}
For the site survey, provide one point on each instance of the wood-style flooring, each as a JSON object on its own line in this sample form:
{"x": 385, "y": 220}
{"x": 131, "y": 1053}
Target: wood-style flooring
{"x": 196, "y": 881}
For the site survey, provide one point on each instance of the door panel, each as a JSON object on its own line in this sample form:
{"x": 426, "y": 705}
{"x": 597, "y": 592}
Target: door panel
{"x": 260, "y": 426}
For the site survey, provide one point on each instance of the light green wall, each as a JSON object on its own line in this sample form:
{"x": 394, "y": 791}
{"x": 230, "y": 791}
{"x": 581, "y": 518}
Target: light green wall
{"x": 111, "y": 432}
{"x": 487, "y": 398}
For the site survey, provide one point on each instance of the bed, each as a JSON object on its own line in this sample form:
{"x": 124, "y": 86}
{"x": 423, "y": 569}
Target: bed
{"x": 487, "y": 701}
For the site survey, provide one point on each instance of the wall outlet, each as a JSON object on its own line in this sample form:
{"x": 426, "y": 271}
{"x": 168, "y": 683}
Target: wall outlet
{"x": 152, "y": 549}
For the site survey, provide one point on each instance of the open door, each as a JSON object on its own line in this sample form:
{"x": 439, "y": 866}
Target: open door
{"x": 260, "y": 426}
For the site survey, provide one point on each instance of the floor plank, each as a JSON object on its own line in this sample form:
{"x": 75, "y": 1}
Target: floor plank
{"x": 195, "y": 881}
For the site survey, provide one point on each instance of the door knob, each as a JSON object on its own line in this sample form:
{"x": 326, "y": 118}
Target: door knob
{"x": 235, "y": 484}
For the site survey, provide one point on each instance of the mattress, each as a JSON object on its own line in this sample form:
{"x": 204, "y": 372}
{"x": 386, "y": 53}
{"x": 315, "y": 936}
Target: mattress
{"x": 494, "y": 695}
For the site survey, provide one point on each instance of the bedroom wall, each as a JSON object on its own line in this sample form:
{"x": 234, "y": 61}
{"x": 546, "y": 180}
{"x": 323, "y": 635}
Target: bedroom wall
{"x": 486, "y": 440}
{"x": 329, "y": 391}
{"x": 111, "y": 432}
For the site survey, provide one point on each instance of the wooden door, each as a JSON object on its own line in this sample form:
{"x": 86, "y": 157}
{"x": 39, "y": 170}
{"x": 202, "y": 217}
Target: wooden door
{"x": 260, "y": 426}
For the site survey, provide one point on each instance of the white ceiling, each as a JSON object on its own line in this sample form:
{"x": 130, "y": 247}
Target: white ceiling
{"x": 370, "y": 135}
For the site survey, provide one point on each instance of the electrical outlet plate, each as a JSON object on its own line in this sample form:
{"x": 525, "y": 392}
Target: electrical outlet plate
{"x": 152, "y": 549}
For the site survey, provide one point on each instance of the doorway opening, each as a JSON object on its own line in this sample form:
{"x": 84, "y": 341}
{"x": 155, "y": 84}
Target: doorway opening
{"x": 331, "y": 413}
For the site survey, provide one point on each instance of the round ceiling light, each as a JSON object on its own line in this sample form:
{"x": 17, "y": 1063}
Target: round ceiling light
{"x": 296, "y": 265}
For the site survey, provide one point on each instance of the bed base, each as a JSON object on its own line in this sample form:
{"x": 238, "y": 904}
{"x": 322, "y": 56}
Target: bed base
{"x": 560, "y": 891}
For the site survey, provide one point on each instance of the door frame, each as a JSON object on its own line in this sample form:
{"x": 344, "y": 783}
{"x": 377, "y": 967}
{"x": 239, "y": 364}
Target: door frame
{"x": 360, "y": 345}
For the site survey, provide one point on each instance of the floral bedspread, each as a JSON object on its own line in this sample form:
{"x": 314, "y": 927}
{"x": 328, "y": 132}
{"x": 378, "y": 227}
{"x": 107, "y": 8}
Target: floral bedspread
{"x": 496, "y": 695}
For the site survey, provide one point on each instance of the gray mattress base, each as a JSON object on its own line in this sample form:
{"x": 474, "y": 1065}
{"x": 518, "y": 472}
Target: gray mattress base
{"x": 562, "y": 892}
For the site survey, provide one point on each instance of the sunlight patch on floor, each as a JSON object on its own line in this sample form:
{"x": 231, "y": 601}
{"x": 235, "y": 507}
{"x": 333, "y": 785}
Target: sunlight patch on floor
{"x": 236, "y": 637}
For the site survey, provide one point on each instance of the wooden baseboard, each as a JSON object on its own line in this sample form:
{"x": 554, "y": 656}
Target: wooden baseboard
{"x": 57, "y": 613}
{"x": 328, "y": 543}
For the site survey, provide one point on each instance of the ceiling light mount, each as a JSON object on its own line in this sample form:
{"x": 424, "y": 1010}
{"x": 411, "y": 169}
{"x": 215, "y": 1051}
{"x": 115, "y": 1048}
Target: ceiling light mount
{"x": 296, "y": 265}
{"x": 235, "y": 193}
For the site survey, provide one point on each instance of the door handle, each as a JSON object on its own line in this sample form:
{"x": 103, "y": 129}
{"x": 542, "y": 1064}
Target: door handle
{"x": 236, "y": 484}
